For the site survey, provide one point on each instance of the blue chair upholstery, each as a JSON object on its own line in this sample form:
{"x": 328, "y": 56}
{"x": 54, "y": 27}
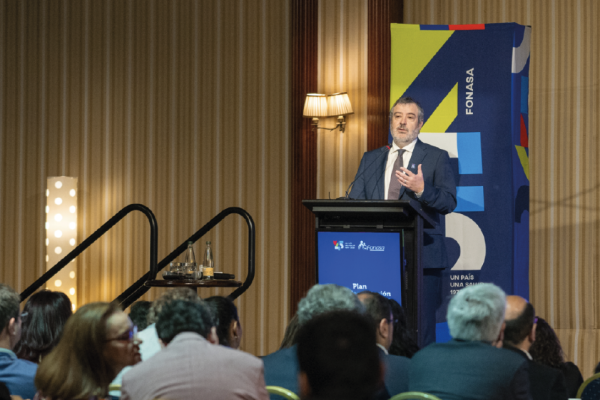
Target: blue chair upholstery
{"x": 590, "y": 389}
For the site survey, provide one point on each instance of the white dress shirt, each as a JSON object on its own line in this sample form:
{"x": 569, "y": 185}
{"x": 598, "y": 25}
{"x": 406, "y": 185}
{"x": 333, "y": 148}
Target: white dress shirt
{"x": 389, "y": 167}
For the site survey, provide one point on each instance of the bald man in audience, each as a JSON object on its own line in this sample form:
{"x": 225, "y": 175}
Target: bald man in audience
{"x": 380, "y": 311}
{"x": 546, "y": 383}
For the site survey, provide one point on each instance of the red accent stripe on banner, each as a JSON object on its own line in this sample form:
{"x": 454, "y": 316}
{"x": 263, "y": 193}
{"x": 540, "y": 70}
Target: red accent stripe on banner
{"x": 524, "y": 137}
{"x": 472, "y": 27}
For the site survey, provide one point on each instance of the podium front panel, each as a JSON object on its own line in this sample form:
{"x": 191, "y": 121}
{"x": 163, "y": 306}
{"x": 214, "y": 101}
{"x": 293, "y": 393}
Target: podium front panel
{"x": 361, "y": 261}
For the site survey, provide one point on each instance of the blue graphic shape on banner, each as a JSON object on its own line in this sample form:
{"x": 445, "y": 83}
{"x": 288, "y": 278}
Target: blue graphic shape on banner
{"x": 524, "y": 95}
{"x": 469, "y": 198}
{"x": 469, "y": 153}
{"x": 361, "y": 261}
{"x": 434, "y": 27}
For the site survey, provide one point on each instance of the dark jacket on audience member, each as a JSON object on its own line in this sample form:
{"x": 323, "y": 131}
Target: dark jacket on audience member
{"x": 573, "y": 378}
{"x": 463, "y": 370}
{"x": 4, "y": 394}
{"x": 281, "y": 369}
{"x": 545, "y": 383}
{"x": 396, "y": 373}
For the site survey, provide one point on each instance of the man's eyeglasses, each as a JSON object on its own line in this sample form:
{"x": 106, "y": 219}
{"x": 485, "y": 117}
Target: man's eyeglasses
{"x": 126, "y": 336}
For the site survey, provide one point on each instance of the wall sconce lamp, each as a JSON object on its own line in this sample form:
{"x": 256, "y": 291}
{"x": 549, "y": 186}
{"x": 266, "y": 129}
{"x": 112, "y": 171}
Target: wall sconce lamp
{"x": 321, "y": 105}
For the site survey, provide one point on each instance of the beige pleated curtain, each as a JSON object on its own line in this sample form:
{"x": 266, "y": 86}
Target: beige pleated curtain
{"x": 182, "y": 106}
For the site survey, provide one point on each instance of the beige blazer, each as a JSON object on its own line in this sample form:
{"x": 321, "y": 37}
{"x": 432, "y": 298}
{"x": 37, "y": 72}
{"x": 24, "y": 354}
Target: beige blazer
{"x": 192, "y": 368}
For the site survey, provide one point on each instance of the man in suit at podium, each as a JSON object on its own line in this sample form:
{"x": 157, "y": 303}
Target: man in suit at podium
{"x": 411, "y": 169}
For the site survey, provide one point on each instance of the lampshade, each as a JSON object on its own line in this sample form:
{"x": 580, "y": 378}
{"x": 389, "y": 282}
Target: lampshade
{"x": 315, "y": 105}
{"x": 339, "y": 104}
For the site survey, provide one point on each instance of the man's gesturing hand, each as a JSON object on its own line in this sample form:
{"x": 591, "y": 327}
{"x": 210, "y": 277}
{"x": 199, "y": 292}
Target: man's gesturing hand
{"x": 411, "y": 181}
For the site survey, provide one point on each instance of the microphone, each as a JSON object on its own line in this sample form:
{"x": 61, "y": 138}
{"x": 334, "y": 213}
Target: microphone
{"x": 384, "y": 150}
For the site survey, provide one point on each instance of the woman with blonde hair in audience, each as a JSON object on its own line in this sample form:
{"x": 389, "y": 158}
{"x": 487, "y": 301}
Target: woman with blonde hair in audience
{"x": 97, "y": 342}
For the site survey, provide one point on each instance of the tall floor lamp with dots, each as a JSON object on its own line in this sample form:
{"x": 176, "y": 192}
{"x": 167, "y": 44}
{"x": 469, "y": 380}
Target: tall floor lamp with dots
{"x": 61, "y": 233}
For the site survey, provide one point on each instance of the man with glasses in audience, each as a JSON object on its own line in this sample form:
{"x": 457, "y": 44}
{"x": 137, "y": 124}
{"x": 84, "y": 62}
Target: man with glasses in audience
{"x": 16, "y": 374}
{"x": 380, "y": 312}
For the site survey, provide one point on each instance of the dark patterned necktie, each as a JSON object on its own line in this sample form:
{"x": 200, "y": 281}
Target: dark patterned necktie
{"x": 394, "y": 189}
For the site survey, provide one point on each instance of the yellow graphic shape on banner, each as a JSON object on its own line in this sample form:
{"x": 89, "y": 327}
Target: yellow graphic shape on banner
{"x": 412, "y": 50}
{"x": 444, "y": 114}
{"x": 524, "y": 158}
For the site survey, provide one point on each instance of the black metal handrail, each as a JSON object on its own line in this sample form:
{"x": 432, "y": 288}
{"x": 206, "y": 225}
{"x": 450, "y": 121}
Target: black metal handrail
{"x": 95, "y": 236}
{"x": 138, "y": 289}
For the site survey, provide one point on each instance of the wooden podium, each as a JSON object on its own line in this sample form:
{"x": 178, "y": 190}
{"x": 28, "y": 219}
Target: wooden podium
{"x": 405, "y": 217}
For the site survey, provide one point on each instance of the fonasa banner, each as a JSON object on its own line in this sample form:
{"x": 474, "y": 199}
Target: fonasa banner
{"x": 473, "y": 84}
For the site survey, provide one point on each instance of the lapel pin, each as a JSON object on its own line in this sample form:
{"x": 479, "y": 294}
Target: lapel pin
{"x": 413, "y": 166}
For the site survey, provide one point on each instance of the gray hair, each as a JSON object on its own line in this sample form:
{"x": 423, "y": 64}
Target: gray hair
{"x": 476, "y": 313}
{"x": 408, "y": 100}
{"x": 325, "y": 298}
{"x": 9, "y": 305}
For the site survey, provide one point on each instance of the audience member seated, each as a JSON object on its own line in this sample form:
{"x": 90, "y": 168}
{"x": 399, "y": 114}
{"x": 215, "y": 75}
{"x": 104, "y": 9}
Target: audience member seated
{"x": 190, "y": 366}
{"x": 545, "y": 383}
{"x": 547, "y": 350}
{"x": 4, "y": 393}
{"x": 403, "y": 342}
{"x": 225, "y": 317}
{"x": 470, "y": 366}
{"x": 281, "y": 367}
{"x": 338, "y": 358}
{"x": 18, "y": 375}
{"x": 290, "y": 333}
{"x": 44, "y": 317}
{"x": 97, "y": 342}
{"x": 150, "y": 344}
{"x": 138, "y": 313}
{"x": 396, "y": 367}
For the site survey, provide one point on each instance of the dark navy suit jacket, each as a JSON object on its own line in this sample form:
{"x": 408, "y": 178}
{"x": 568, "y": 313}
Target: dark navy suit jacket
{"x": 396, "y": 373}
{"x": 463, "y": 370}
{"x": 546, "y": 383}
{"x": 281, "y": 369}
{"x": 439, "y": 195}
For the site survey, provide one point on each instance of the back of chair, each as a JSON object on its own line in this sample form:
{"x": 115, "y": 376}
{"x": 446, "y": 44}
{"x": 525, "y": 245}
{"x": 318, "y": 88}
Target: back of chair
{"x": 415, "y": 395}
{"x": 283, "y": 392}
{"x": 590, "y": 389}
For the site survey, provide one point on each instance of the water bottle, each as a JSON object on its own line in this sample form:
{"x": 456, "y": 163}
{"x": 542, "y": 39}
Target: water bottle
{"x": 209, "y": 271}
{"x": 189, "y": 260}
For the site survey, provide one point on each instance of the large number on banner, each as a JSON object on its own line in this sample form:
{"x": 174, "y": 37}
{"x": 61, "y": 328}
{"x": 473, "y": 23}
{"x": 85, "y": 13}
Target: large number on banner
{"x": 466, "y": 146}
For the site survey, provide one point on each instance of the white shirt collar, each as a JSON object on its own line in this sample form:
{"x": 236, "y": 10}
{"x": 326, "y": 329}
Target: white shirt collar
{"x": 527, "y": 354}
{"x": 382, "y": 348}
{"x": 409, "y": 147}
